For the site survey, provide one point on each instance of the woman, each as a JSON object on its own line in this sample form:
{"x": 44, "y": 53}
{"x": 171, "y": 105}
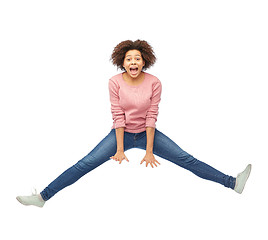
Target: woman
{"x": 135, "y": 96}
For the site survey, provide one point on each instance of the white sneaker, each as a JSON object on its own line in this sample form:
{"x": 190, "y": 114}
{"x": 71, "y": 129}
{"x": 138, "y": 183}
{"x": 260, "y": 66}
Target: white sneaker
{"x": 241, "y": 179}
{"x": 35, "y": 200}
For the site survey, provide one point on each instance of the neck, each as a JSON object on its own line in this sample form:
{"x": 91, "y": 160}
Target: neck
{"x": 127, "y": 77}
{"x": 133, "y": 81}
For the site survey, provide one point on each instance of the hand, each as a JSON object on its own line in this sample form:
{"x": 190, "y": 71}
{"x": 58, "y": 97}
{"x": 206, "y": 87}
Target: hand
{"x": 119, "y": 156}
{"x": 149, "y": 158}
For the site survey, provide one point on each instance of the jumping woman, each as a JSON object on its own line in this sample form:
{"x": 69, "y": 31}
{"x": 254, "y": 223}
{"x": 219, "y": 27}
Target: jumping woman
{"x": 135, "y": 96}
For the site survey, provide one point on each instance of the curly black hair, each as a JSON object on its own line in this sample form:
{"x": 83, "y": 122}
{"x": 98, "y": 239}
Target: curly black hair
{"x": 122, "y": 48}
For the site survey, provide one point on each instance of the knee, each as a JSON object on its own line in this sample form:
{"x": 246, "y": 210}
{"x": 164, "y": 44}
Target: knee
{"x": 186, "y": 159}
{"x": 88, "y": 163}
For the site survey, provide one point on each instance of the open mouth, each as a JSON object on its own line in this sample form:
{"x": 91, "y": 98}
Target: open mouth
{"x": 134, "y": 70}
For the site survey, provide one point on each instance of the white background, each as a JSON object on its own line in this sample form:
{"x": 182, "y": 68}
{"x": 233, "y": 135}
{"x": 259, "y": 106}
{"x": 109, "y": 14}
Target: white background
{"x": 55, "y": 66}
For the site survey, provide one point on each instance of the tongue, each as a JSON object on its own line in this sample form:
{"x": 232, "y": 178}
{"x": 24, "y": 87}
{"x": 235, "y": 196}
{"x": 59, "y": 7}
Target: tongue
{"x": 133, "y": 71}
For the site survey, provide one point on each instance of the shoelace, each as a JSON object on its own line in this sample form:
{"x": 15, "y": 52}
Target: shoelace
{"x": 34, "y": 192}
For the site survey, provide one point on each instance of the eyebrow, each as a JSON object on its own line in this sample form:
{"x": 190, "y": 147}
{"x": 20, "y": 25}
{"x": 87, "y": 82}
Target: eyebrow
{"x": 135, "y": 55}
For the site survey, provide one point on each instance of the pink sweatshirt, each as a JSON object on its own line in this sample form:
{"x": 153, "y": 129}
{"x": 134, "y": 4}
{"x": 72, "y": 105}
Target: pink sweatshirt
{"x": 134, "y": 107}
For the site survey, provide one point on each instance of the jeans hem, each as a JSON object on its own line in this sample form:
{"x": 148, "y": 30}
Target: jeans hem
{"x": 42, "y": 195}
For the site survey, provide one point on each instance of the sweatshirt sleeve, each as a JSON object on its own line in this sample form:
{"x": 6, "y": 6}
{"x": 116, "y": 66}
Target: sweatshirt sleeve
{"x": 152, "y": 113}
{"x": 118, "y": 113}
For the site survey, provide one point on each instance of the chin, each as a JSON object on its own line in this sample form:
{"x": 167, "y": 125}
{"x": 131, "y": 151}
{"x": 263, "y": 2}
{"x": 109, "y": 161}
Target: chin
{"x": 135, "y": 75}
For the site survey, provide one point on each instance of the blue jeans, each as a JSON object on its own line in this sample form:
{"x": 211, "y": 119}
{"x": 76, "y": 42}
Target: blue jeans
{"x": 163, "y": 147}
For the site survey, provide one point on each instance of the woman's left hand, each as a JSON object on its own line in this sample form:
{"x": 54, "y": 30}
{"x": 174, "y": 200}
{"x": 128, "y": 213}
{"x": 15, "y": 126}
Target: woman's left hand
{"x": 149, "y": 158}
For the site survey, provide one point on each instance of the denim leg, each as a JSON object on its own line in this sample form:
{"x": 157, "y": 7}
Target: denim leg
{"x": 99, "y": 155}
{"x": 169, "y": 150}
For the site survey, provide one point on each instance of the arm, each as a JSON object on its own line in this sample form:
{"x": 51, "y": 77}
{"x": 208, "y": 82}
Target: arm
{"x": 150, "y": 139}
{"x": 149, "y": 157}
{"x": 119, "y": 121}
{"x": 120, "y": 155}
{"x": 120, "y": 139}
{"x": 152, "y": 112}
{"x": 151, "y": 118}
{"x": 118, "y": 113}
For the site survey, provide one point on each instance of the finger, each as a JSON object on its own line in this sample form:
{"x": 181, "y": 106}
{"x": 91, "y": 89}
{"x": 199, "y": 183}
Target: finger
{"x": 142, "y": 161}
{"x": 146, "y": 164}
{"x": 152, "y": 165}
{"x": 121, "y": 160}
{"x": 157, "y": 162}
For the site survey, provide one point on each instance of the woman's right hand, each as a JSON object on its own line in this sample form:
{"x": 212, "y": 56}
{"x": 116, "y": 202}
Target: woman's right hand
{"x": 119, "y": 156}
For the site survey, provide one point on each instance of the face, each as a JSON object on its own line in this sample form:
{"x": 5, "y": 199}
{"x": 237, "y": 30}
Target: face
{"x": 133, "y": 63}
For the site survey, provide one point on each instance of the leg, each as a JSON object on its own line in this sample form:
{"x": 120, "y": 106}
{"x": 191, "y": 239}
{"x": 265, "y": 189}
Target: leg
{"x": 99, "y": 155}
{"x": 167, "y": 149}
